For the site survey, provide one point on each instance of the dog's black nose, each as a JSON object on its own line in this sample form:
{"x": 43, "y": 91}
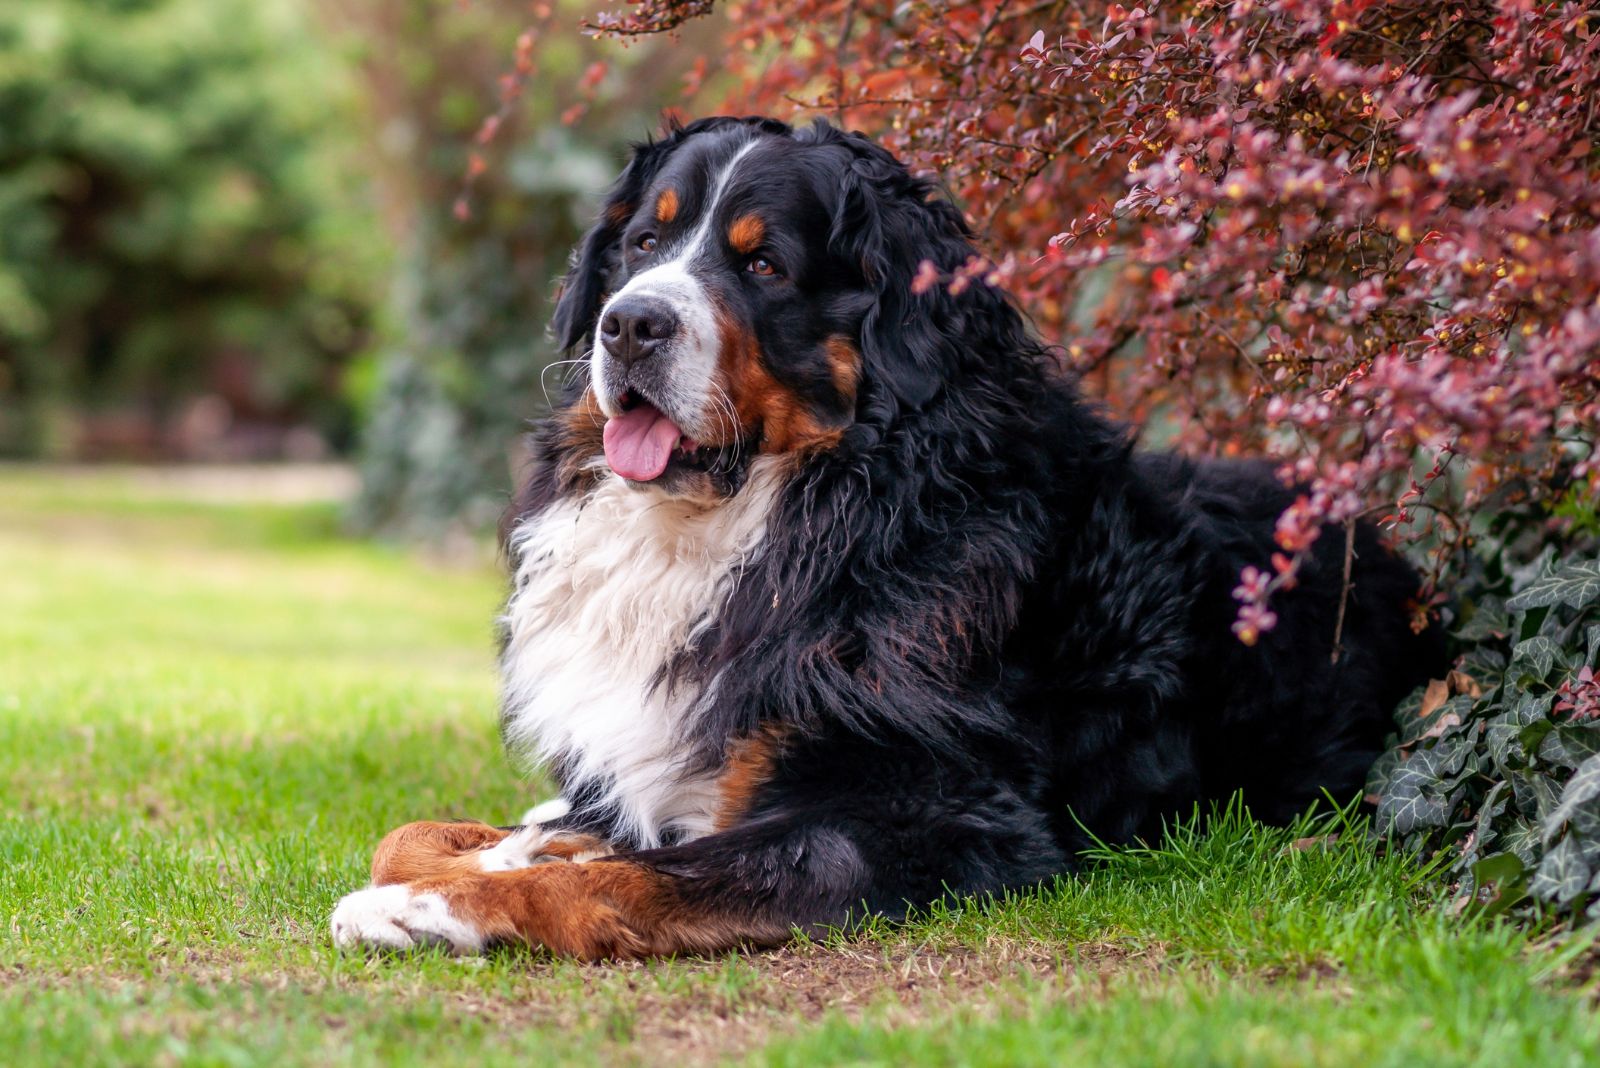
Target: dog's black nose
{"x": 634, "y": 327}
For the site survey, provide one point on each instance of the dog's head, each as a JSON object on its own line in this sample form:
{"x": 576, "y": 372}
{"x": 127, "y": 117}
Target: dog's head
{"x": 748, "y": 289}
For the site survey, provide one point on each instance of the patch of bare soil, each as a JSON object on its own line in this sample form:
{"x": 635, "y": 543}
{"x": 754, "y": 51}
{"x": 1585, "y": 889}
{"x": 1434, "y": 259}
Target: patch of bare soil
{"x": 724, "y": 1013}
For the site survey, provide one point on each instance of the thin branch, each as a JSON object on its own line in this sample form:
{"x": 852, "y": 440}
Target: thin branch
{"x": 846, "y": 26}
{"x": 971, "y": 58}
{"x": 1344, "y": 588}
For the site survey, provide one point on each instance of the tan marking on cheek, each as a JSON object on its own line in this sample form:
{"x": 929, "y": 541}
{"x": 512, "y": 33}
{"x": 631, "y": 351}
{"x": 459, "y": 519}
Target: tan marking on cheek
{"x": 582, "y": 427}
{"x": 786, "y": 421}
{"x": 746, "y": 233}
{"x": 844, "y": 361}
{"x": 667, "y": 206}
{"x": 619, "y": 213}
{"x": 749, "y": 767}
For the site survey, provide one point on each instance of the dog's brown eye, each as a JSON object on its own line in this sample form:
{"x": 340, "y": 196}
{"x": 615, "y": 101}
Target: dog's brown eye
{"x": 761, "y": 265}
{"x": 647, "y": 243}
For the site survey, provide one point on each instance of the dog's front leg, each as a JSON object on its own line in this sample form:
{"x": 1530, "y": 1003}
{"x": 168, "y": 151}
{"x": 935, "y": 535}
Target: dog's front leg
{"x": 391, "y": 914}
{"x": 751, "y": 885}
{"x": 804, "y": 854}
{"x": 748, "y": 886}
{"x": 604, "y": 909}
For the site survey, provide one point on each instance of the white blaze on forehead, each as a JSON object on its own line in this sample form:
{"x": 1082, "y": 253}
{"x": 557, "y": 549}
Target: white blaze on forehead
{"x": 694, "y": 348}
{"x": 690, "y": 248}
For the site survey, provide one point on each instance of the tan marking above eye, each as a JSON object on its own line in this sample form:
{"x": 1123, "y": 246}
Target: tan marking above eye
{"x": 746, "y": 233}
{"x": 667, "y": 206}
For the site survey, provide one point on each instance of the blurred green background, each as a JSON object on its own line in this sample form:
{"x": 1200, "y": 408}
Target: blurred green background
{"x": 226, "y": 232}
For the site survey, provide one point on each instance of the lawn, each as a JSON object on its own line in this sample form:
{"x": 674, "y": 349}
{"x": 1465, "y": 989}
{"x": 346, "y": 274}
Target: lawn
{"x": 211, "y": 709}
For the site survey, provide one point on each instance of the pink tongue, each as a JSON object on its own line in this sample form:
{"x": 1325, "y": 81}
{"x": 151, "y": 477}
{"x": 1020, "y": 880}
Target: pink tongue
{"x": 639, "y": 442}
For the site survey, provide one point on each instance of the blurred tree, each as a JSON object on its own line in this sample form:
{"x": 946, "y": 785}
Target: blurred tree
{"x": 449, "y": 85}
{"x": 177, "y": 219}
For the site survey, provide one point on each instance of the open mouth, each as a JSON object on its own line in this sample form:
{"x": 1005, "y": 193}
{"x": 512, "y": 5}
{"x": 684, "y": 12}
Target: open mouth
{"x": 642, "y": 442}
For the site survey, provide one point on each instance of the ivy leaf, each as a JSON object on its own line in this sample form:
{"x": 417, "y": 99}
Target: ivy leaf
{"x": 1500, "y": 882}
{"x": 1522, "y": 838}
{"x": 1489, "y": 812}
{"x": 1412, "y": 801}
{"x": 1488, "y": 621}
{"x": 1503, "y": 734}
{"x": 1523, "y": 575}
{"x": 1575, "y": 584}
{"x": 1567, "y": 745}
{"x": 1450, "y": 755}
{"x": 1539, "y": 653}
{"x": 1485, "y": 664}
{"x": 1532, "y": 737}
{"x": 1585, "y": 822}
{"x": 1500, "y": 783}
{"x": 1443, "y": 721}
{"x": 1552, "y": 746}
{"x": 1562, "y": 875}
{"x": 1581, "y": 741}
{"x": 1382, "y": 770}
{"x": 1419, "y": 790}
{"x": 1584, "y": 786}
{"x": 1536, "y": 794}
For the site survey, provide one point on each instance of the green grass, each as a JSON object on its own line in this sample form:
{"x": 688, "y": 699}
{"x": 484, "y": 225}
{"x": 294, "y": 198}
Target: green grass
{"x": 209, "y": 713}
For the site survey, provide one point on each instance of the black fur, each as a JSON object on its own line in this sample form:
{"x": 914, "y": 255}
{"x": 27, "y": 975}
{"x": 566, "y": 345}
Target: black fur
{"x": 982, "y": 621}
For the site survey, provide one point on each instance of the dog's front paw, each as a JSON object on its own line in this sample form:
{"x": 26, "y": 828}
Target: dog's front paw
{"x": 396, "y": 918}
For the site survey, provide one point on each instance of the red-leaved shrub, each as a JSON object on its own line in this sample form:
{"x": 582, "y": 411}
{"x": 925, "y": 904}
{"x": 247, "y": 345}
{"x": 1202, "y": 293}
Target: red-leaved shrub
{"x": 1361, "y": 237}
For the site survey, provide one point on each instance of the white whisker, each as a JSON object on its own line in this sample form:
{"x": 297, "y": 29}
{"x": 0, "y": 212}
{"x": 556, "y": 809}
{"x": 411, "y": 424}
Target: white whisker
{"x": 546, "y": 370}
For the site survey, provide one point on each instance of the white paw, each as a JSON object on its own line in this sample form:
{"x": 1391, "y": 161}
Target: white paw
{"x": 396, "y": 918}
{"x": 519, "y": 849}
{"x": 545, "y": 811}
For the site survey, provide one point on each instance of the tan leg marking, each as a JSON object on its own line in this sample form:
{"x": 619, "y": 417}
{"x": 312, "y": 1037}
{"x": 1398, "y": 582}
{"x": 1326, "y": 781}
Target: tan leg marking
{"x": 603, "y": 909}
{"x": 748, "y": 768}
{"x": 429, "y": 852}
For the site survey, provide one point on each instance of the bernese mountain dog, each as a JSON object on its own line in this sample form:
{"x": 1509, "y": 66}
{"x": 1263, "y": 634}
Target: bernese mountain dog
{"x": 832, "y": 597}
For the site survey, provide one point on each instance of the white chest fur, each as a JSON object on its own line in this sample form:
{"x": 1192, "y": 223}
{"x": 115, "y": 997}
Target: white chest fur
{"x": 607, "y": 588}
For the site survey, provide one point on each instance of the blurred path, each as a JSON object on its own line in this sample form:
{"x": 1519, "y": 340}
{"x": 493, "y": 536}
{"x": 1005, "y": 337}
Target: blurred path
{"x": 209, "y": 483}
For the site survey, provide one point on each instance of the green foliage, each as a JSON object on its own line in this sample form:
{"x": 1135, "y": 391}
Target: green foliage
{"x": 1498, "y": 769}
{"x": 465, "y": 365}
{"x": 466, "y": 361}
{"x": 175, "y": 204}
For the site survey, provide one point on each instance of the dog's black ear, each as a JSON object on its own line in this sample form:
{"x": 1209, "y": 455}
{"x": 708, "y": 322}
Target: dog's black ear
{"x": 887, "y": 223}
{"x": 595, "y": 259}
